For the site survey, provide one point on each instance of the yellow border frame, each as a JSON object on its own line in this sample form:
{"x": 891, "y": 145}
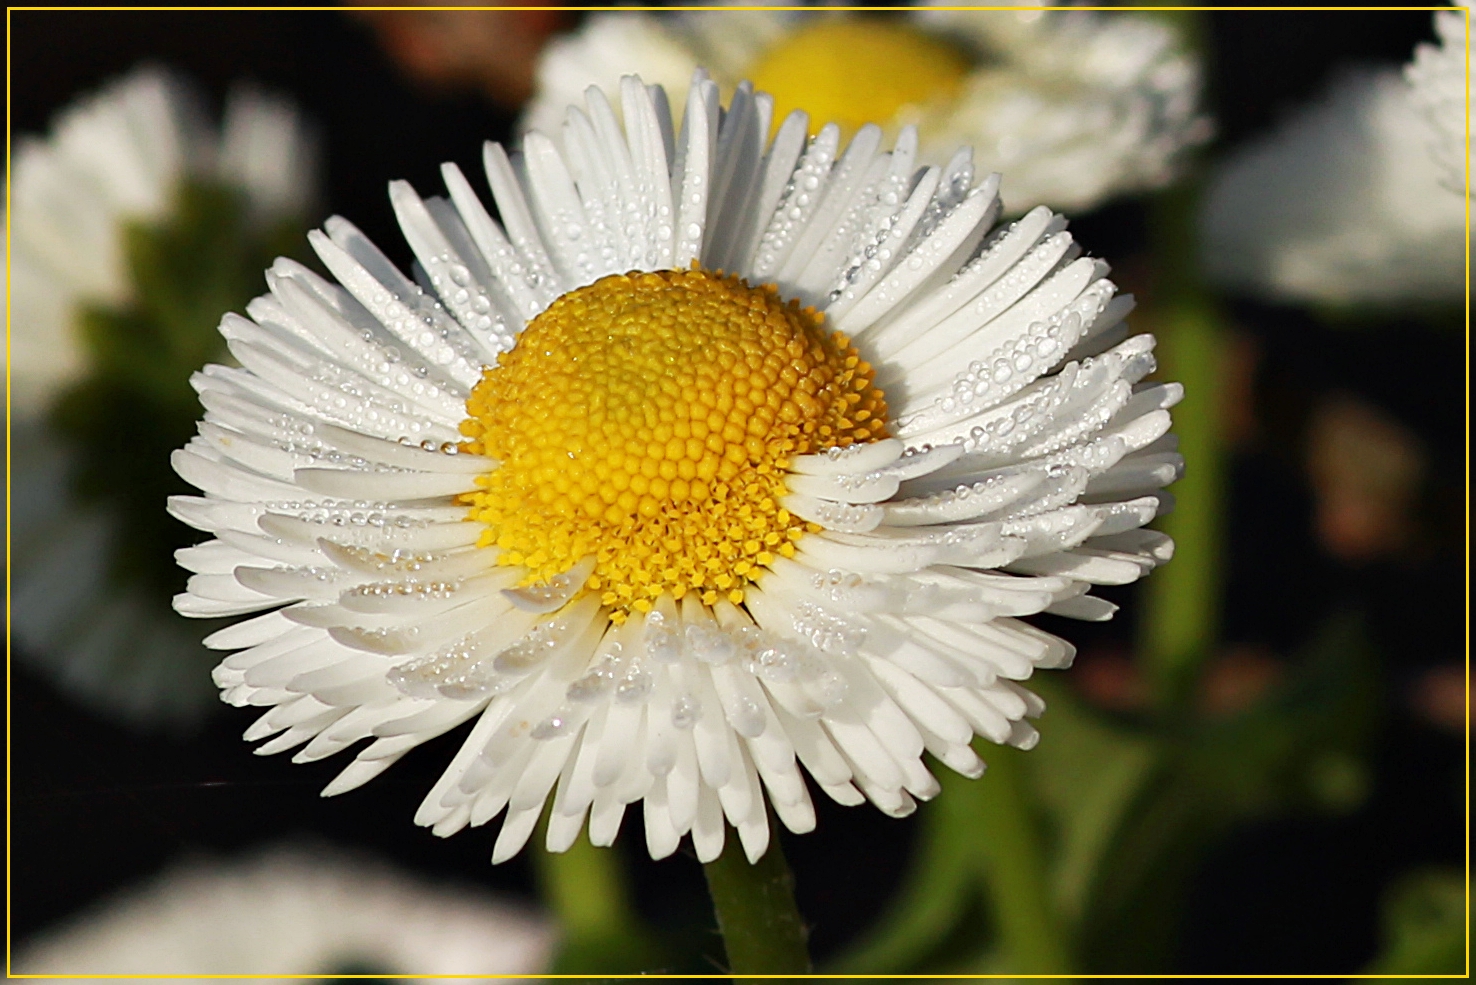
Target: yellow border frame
{"x": 225, "y": 9}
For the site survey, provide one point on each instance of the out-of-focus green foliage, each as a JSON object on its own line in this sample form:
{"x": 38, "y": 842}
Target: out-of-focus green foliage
{"x": 1424, "y": 926}
{"x": 1181, "y": 612}
{"x": 1182, "y": 609}
{"x": 136, "y": 405}
{"x": 1074, "y": 857}
{"x": 1211, "y": 774}
{"x": 599, "y": 930}
{"x": 1439, "y": 316}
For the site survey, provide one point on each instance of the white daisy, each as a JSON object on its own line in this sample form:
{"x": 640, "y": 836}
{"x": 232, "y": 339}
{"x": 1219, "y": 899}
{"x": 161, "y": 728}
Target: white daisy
{"x": 655, "y": 531}
{"x": 1075, "y": 107}
{"x": 292, "y": 910}
{"x": 116, "y": 162}
{"x": 1355, "y": 199}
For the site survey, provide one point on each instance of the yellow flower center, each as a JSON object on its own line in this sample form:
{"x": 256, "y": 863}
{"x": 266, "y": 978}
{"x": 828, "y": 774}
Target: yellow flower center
{"x": 647, "y": 420}
{"x": 853, "y": 70}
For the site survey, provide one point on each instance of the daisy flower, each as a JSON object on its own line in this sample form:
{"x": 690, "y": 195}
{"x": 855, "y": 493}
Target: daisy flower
{"x": 718, "y": 457}
{"x": 1076, "y": 107}
{"x": 290, "y": 910}
{"x": 132, "y": 223}
{"x": 1357, "y": 198}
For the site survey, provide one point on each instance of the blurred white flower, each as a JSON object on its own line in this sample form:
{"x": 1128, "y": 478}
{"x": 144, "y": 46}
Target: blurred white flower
{"x": 116, "y": 160}
{"x": 266, "y": 150}
{"x": 114, "y": 157}
{"x": 289, "y": 910}
{"x": 1355, "y": 199}
{"x": 1075, "y": 107}
{"x": 1438, "y": 77}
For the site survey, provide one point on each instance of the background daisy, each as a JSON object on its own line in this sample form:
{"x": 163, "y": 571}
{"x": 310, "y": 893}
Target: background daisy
{"x": 1356, "y": 198}
{"x": 291, "y": 909}
{"x": 1075, "y": 107}
{"x": 1438, "y": 76}
{"x": 131, "y": 224}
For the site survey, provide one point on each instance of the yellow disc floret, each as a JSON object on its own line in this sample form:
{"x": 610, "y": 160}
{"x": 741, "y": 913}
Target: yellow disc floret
{"x": 648, "y": 419}
{"x": 851, "y": 70}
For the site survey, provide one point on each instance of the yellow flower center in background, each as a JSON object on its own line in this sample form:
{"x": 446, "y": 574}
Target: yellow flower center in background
{"x": 647, "y": 419}
{"x": 854, "y": 70}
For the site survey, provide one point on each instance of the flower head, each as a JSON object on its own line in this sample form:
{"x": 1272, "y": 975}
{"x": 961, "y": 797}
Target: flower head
{"x": 717, "y": 457}
{"x": 133, "y": 222}
{"x": 1075, "y": 107}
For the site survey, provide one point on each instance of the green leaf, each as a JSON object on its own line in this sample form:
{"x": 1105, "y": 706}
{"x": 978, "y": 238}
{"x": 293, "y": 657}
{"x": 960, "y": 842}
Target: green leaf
{"x": 1087, "y": 772}
{"x": 979, "y": 895}
{"x": 1015, "y": 852}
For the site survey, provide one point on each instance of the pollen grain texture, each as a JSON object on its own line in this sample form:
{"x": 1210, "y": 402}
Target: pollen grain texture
{"x": 648, "y": 420}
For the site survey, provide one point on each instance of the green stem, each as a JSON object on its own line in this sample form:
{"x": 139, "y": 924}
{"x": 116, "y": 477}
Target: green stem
{"x": 1181, "y": 610}
{"x": 599, "y": 931}
{"x": 1014, "y": 864}
{"x": 762, "y": 928}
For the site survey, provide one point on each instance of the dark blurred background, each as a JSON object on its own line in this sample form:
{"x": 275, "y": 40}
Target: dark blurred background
{"x": 95, "y": 807}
